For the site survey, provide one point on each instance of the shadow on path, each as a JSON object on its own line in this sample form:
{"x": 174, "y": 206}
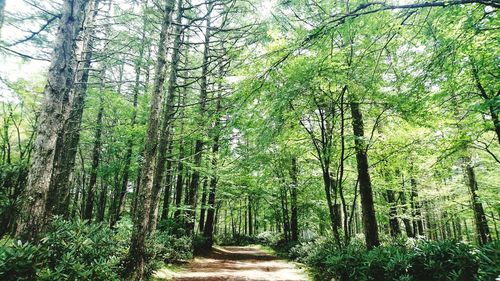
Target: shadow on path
{"x": 239, "y": 263}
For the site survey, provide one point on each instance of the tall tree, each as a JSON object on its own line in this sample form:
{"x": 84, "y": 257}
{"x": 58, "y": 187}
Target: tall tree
{"x": 55, "y": 105}
{"x": 365, "y": 185}
{"x": 136, "y": 261}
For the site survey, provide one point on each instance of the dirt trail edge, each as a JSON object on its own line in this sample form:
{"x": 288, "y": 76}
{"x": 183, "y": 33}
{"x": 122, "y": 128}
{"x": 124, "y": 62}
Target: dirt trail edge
{"x": 236, "y": 263}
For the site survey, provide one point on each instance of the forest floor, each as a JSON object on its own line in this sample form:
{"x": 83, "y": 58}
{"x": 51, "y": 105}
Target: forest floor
{"x": 236, "y": 263}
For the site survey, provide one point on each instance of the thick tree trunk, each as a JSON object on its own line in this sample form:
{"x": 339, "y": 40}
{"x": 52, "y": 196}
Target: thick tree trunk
{"x": 482, "y": 230}
{"x": 136, "y": 260}
{"x": 96, "y": 154}
{"x": 365, "y": 185}
{"x": 55, "y": 105}
{"x": 67, "y": 142}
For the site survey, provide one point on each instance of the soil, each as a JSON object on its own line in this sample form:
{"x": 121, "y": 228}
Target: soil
{"x": 237, "y": 264}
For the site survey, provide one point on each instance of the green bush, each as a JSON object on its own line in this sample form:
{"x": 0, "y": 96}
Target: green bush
{"x": 78, "y": 250}
{"x": 236, "y": 240}
{"x": 489, "y": 260}
{"x": 421, "y": 260}
{"x": 173, "y": 249}
{"x": 18, "y": 261}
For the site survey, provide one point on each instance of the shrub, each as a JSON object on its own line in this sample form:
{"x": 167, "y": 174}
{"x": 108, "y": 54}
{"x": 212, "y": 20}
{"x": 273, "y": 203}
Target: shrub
{"x": 80, "y": 251}
{"x": 236, "y": 240}
{"x": 18, "y": 261}
{"x": 420, "y": 260}
{"x": 489, "y": 259}
{"x": 444, "y": 260}
{"x": 173, "y": 249}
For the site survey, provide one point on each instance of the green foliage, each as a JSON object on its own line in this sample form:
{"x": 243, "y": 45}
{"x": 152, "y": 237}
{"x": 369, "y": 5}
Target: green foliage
{"x": 236, "y": 240}
{"x": 173, "y": 249}
{"x": 426, "y": 260}
{"x": 79, "y": 250}
{"x": 18, "y": 261}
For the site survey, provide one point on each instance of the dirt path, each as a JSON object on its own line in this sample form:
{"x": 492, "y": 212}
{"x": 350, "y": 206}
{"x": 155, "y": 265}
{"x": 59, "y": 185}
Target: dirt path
{"x": 237, "y": 263}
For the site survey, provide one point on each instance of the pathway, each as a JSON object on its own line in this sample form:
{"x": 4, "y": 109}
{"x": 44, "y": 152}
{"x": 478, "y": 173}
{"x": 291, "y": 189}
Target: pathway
{"x": 237, "y": 264}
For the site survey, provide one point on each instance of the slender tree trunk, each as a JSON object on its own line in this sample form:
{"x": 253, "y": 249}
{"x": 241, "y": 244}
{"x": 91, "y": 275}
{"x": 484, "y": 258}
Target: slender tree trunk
{"x": 293, "y": 200}
{"x": 103, "y": 198}
{"x": 136, "y": 260}
{"x": 168, "y": 185}
{"x": 482, "y": 230}
{"x": 208, "y": 231}
{"x": 119, "y": 195}
{"x": 418, "y": 224}
{"x": 249, "y": 213}
{"x": 195, "y": 177}
{"x": 395, "y": 230}
{"x": 2, "y": 13}
{"x": 406, "y": 220}
{"x": 201, "y": 222}
{"x": 167, "y": 119}
{"x": 55, "y": 105}
{"x": 365, "y": 185}
{"x": 96, "y": 154}
{"x": 179, "y": 185}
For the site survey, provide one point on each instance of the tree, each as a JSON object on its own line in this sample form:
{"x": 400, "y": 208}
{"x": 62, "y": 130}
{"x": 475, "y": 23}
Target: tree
{"x": 33, "y": 216}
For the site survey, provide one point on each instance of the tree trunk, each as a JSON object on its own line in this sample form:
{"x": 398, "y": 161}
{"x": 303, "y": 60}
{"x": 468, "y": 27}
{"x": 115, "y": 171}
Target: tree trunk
{"x": 136, "y": 260}
{"x": 406, "y": 220}
{"x": 67, "y": 142}
{"x": 2, "y": 13}
{"x": 167, "y": 119}
{"x": 195, "y": 176}
{"x": 482, "y": 230}
{"x": 168, "y": 185}
{"x": 418, "y": 224}
{"x": 201, "y": 222}
{"x": 395, "y": 230}
{"x": 293, "y": 200}
{"x": 96, "y": 154}
{"x": 55, "y": 105}
{"x": 119, "y": 195}
{"x": 208, "y": 231}
{"x": 365, "y": 185}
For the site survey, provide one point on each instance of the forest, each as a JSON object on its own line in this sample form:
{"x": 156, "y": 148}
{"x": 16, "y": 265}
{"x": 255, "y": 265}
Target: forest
{"x": 346, "y": 140}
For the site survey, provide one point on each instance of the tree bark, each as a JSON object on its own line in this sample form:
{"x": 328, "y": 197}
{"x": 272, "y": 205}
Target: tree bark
{"x": 136, "y": 260}
{"x": 2, "y": 13}
{"x": 67, "y": 142}
{"x": 293, "y": 200}
{"x": 198, "y": 153}
{"x": 395, "y": 230}
{"x": 119, "y": 195}
{"x": 55, "y": 105}
{"x": 208, "y": 231}
{"x": 418, "y": 224}
{"x": 201, "y": 222}
{"x": 482, "y": 230}
{"x": 167, "y": 118}
{"x": 365, "y": 185}
{"x": 96, "y": 154}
